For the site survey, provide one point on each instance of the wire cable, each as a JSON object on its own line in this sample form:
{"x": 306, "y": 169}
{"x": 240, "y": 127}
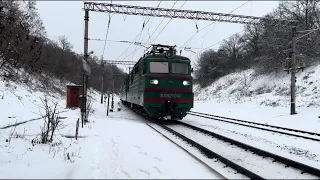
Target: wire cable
{"x": 211, "y": 24}
{"x": 215, "y": 44}
{"x": 159, "y": 26}
{"x": 138, "y": 43}
{"x": 105, "y": 42}
{"x": 161, "y": 22}
{"x": 152, "y": 32}
{"x": 167, "y": 23}
{"x": 144, "y": 27}
{"x": 134, "y": 39}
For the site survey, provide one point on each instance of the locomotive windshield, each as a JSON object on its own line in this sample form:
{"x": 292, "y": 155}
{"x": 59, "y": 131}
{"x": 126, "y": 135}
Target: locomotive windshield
{"x": 179, "y": 68}
{"x": 159, "y": 67}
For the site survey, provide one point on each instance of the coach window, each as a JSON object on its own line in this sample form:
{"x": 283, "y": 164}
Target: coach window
{"x": 159, "y": 67}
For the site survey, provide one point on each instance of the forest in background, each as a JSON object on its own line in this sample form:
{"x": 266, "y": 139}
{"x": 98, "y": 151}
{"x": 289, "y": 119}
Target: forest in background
{"x": 25, "y": 44}
{"x": 264, "y": 47}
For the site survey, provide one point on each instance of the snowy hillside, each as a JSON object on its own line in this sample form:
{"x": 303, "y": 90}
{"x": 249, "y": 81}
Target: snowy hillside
{"x": 269, "y": 90}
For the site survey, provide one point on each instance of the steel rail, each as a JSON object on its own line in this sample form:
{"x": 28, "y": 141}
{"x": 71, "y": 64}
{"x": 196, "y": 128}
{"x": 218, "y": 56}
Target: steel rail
{"x": 277, "y": 158}
{"x": 207, "y": 152}
{"x": 305, "y": 168}
{"x": 225, "y": 119}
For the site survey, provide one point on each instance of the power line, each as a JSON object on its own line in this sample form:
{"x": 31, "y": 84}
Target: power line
{"x": 135, "y": 38}
{"x": 153, "y": 31}
{"x": 167, "y": 23}
{"x": 139, "y": 43}
{"x": 105, "y": 42}
{"x": 213, "y": 28}
{"x": 153, "y": 17}
{"x": 215, "y": 43}
{"x": 211, "y": 24}
{"x": 143, "y": 27}
{"x": 158, "y": 27}
{"x": 161, "y": 22}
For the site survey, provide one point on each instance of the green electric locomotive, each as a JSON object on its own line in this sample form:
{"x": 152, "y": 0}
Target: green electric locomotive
{"x": 160, "y": 83}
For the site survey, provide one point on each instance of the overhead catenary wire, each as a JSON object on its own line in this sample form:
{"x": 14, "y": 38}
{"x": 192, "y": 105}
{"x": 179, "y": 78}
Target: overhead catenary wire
{"x": 184, "y": 44}
{"x": 157, "y": 28}
{"x": 139, "y": 43}
{"x": 229, "y": 13}
{"x": 144, "y": 27}
{"x": 134, "y": 39}
{"x": 209, "y": 47}
{"x": 105, "y": 42}
{"x": 160, "y": 23}
{"x": 215, "y": 44}
{"x": 151, "y": 34}
{"x": 167, "y": 23}
{"x": 128, "y": 46}
{"x": 156, "y": 7}
{"x": 224, "y": 38}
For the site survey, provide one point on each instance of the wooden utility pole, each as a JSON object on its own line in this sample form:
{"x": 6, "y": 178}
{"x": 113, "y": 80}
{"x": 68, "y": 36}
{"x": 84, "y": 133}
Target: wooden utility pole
{"x": 293, "y": 72}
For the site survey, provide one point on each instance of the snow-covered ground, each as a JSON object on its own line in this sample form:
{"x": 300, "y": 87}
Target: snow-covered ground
{"x": 120, "y": 145}
{"x": 264, "y": 99}
{"x": 298, "y": 149}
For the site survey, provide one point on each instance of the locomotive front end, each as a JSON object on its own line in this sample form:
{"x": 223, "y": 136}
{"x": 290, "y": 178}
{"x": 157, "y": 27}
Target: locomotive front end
{"x": 168, "y": 88}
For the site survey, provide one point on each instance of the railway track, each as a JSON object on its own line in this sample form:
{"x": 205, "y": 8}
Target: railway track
{"x": 234, "y": 154}
{"x": 276, "y": 129}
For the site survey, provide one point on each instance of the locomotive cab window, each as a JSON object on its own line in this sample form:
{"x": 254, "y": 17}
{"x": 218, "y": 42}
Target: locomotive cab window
{"x": 179, "y": 68}
{"x": 159, "y": 67}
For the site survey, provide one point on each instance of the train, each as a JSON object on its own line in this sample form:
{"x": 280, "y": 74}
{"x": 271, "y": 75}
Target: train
{"x": 160, "y": 84}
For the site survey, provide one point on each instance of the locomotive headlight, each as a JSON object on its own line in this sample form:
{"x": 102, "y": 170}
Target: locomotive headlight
{"x": 186, "y": 83}
{"x": 154, "y": 81}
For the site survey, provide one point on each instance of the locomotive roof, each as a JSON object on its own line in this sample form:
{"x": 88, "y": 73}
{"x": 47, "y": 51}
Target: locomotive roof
{"x": 163, "y": 51}
{"x": 163, "y": 55}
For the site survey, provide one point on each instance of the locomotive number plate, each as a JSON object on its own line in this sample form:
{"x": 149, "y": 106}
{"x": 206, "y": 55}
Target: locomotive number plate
{"x": 169, "y": 95}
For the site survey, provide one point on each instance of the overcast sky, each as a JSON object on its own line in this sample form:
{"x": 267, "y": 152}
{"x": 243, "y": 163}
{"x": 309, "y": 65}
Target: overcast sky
{"x": 67, "y": 18}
